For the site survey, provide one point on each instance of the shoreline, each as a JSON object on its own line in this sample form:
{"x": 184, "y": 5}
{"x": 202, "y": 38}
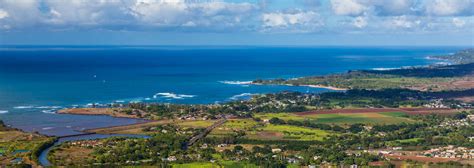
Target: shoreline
{"x": 97, "y": 111}
{"x": 323, "y": 87}
{"x": 311, "y": 86}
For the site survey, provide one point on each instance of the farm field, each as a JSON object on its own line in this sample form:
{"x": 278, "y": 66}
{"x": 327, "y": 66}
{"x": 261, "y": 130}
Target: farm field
{"x": 342, "y": 118}
{"x": 287, "y": 132}
{"x": 219, "y": 164}
{"x": 234, "y": 125}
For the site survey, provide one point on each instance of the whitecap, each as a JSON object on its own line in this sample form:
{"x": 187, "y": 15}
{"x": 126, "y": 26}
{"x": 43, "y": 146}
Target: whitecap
{"x": 239, "y": 96}
{"x": 384, "y": 69}
{"x": 48, "y": 107}
{"x": 47, "y": 128}
{"x": 3, "y": 111}
{"x": 23, "y": 107}
{"x": 172, "y": 95}
{"x": 48, "y": 111}
{"x": 236, "y": 82}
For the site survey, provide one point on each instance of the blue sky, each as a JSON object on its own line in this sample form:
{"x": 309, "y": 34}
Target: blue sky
{"x": 237, "y": 22}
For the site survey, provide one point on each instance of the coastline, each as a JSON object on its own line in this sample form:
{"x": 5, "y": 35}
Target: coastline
{"x": 97, "y": 111}
{"x": 323, "y": 87}
{"x": 311, "y": 86}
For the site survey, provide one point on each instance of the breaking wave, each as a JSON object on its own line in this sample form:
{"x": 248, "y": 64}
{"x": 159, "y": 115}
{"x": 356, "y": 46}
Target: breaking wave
{"x": 236, "y": 82}
{"x": 384, "y": 69}
{"x": 240, "y": 96}
{"x": 172, "y": 95}
{"x": 49, "y": 111}
{"x": 3, "y": 111}
{"x": 23, "y": 107}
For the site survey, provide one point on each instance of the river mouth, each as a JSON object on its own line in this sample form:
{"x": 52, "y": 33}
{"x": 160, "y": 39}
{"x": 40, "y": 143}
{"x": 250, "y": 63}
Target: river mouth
{"x": 43, "y": 157}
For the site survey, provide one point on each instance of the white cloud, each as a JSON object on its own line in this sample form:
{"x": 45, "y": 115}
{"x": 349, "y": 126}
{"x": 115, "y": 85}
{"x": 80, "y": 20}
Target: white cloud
{"x": 449, "y": 7}
{"x": 19, "y": 13}
{"x": 3, "y": 14}
{"x": 458, "y": 22}
{"x": 348, "y": 7}
{"x": 180, "y": 12}
{"x": 296, "y": 20}
{"x": 404, "y": 22}
{"x": 360, "y": 22}
{"x": 219, "y": 15}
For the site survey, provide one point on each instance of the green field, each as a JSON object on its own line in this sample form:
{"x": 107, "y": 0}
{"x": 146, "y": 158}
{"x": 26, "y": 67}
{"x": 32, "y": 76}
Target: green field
{"x": 234, "y": 125}
{"x": 283, "y": 116}
{"x": 196, "y": 123}
{"x": 288, "y": 132}
{"x": 226, "y": 164}
{"x": 239, "y": 124}
{"x": 343, "y": 118}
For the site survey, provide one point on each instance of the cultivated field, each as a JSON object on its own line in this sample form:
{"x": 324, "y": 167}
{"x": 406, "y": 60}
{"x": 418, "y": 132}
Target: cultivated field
{"x": 342, "y": 118}
{"x": 286, "y": 132}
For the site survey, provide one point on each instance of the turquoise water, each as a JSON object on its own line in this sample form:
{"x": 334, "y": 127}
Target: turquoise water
{"x": 35, "y": 81}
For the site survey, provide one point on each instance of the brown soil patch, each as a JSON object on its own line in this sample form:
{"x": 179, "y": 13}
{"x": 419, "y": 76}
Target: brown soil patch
{"x": 268, "y": 135}
{"x": 469, "y": 99}
{"x": 410, "y": 111}
{"x": 455, "y": 84}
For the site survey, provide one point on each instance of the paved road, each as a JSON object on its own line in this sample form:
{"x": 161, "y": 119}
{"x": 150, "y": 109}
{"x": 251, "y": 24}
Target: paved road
{"x": 205, "y": 132}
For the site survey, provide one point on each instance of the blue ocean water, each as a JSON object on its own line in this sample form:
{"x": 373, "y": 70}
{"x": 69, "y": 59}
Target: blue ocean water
{"x": 37, "y": 80}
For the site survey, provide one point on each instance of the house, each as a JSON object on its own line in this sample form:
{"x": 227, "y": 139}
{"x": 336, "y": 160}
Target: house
{"x": 17, "y": 161}
{"x": 171, "y": 158}
{"x": 276, "y": 150}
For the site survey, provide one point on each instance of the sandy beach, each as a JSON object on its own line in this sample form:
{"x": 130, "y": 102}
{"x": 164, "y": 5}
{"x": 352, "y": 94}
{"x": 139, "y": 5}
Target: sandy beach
{"x": 320, "y": 86}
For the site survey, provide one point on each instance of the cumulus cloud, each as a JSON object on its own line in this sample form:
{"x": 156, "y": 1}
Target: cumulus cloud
{"x": 360, "y": 22}
{"x": 228, "y": 15}
{"x": 404, "y": 22}
{"x": 180, "y": 12}
{"x": 296, "y": 20}
{"x": 348, "y": 7}
{"x": 86, "y": 13}
{"x": 129, "y": 14}
{"x": 3, "y": 14}
{"x": 449, "y": 7}
{"x": 19, "y": 13}
{"x": 458, "y": 22}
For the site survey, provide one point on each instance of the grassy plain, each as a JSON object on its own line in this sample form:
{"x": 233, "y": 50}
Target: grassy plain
{"x": 287, "y": 132}
{"x": 342, "y": 118}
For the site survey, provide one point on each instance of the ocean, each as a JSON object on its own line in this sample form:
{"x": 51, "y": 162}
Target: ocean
{"x": 35, "y": 81}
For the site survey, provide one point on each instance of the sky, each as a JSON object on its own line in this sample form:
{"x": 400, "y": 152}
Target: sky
{"x": 237, "y": 22}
